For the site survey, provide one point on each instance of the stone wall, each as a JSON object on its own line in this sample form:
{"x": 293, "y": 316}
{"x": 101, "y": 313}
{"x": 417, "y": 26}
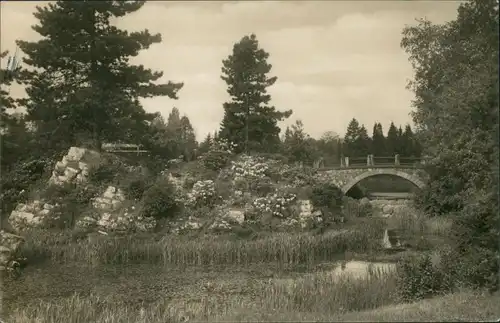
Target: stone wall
{"x": 346, "y": 178}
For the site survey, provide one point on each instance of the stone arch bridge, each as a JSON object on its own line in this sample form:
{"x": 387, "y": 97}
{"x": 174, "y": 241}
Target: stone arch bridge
{"x": 347, "y": 177}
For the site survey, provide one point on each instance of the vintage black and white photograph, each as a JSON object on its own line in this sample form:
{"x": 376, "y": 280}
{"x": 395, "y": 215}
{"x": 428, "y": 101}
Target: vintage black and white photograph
{"x": 249, "y": 161}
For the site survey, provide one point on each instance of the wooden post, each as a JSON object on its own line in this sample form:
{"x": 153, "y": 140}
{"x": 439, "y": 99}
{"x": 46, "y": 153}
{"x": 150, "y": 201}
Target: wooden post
{"x": 347, "y": 162}
{"x": 396, "y": 160}
{"x": 372, "y": 160}
{"x": 367, "y": 160}
{"x": 342, "y": 162}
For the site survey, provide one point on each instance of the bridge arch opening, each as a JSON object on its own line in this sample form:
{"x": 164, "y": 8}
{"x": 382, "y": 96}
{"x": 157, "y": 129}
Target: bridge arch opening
{"x": 389, "y": 182}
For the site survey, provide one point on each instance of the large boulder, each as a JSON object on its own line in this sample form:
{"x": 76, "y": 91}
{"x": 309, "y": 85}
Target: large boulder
{"x": 9, "y": 246}
{"x": 112, "y": 215}
{"x": 31, "y": 215}
{"x": 74, "y": 166}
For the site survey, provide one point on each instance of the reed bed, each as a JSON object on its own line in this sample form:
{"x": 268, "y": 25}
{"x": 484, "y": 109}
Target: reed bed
{"x": 281, "y": 248}
{"x": 320, "y": 292}
{"x": 417, "y": 223}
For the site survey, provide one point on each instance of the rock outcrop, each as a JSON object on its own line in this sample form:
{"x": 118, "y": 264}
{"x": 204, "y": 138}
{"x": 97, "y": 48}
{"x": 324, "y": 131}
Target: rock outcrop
{"x": 388, "y": 208}
{"x": 391, "y": 240}
{"x": 112, "y": 215}
{"x": 74, "y": 166}
{"x": 9, "y": 247}
{"x": 33, "y": 214}
{"x": 307, "y": 213}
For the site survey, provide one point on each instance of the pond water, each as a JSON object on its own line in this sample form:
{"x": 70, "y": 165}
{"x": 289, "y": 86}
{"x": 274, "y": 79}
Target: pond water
{"x": 352, "y": 269}
{"x": 360, "y": 269}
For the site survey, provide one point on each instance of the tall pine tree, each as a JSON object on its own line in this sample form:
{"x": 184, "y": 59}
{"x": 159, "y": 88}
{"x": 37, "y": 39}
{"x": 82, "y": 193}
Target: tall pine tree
{"x": 363, "y": 143}
{"x": 188, "y": 139}
{"x": 81, "y": 83}
{"x": 392, "y": 140}
{"x": 378, "y": 140}
{"x": 249, "y": 121}
{"x": 350, "y": 138}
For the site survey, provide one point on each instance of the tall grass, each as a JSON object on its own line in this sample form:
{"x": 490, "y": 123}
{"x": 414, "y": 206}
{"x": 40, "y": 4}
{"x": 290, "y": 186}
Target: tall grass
{"x": 312, "y": 293}
{"x": 417, "y": 223}
{"x": 282, "y": 248}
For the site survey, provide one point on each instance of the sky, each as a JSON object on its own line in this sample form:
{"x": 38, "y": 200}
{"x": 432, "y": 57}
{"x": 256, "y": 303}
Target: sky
{"x": 335, "y": 60}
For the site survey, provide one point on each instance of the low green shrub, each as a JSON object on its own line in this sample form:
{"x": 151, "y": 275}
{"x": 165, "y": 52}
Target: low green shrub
{"x": 261, "y": 186}
{"x": 328, "y": 198}
{"x": 353, "y": 208}
{"x": 136, "y": 183}
{"x": 21, "y": 179}
{"x": 159, "y": 200}
{"x": 216, "y": 160}
{"x": 419, "y": 277}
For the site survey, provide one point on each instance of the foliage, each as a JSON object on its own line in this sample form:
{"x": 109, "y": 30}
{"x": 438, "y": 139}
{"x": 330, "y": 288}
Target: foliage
{"x": 357, "y": 143}
{"x": 219, "y": 155}
{"x": 456, "y": 111}
{"x": 298, "y": 145}
{"x": 174, "y": 138}
{"x": 85, "y": 95}
{"x": 248, "y": 113}
{"x": 203, "y": 193}
{"x": 354, "y": 208}
{"x": 159, "y": 200}
{"x": 329, "y": 147}
{"x": 20, "y": 179}
{"x": 276, "y": 204}
{"x": 135, "y": 183}
{"x": 392, "y": 140}
{"x": 378, "y": 140}
{"x": 418, "y": 278}
{"x": 109, "y": 171}
{"x": 249, "y": 167}
{"x": 327, "y": 196}
{"x": 70, "y": 201}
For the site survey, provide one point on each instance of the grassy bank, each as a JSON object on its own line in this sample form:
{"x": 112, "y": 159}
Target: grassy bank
{"x": 465, "y": 306}
{"x": 121, "y": 295}
{"x": 156, "y": 278}
{"x": 147, "y": 294}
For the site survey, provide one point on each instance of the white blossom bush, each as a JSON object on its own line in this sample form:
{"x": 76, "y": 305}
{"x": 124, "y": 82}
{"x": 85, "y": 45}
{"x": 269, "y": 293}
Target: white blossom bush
{"x": 277, "y": 204}
{"x": 248, "y": 167}
{"x": 202, "y": 194}
{"x": 218, "y": 155}
{"x": 223, "y": 145}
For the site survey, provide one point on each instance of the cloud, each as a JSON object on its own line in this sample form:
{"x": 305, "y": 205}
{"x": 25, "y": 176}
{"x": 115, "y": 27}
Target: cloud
{"x": 335, "y": 60}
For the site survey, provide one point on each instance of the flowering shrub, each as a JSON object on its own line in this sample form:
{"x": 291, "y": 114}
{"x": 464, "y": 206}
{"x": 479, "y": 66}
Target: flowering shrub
{"x": 202, "y": 194}
{"x": 277, "y": 204}
{"x": 248, "y": 167}
{"x": 218, "y": 155}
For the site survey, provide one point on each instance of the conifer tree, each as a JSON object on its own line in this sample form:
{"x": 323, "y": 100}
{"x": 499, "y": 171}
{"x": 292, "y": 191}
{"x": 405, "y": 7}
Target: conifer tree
{"x": 378, "y": 140}
{"x": 249, "y": 121}
{"x": 392, "y": 140}
{"x": 351, "y": 136}
{"x": 80, "y": 82}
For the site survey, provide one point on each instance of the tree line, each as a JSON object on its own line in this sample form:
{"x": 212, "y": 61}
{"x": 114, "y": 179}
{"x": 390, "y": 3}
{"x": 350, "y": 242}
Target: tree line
{"x": 83, "y": 91}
